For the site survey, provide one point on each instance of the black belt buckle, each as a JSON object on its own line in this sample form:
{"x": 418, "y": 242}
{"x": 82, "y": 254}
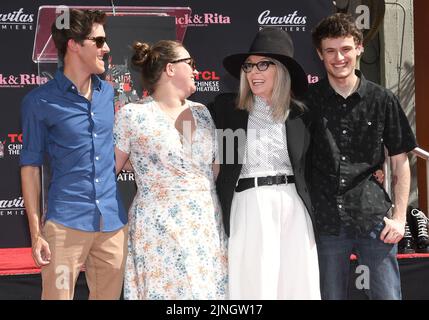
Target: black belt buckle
{"x": 270, "y": 180}
{"x": 285, "y": 177}
{"x": 279, "y": 179}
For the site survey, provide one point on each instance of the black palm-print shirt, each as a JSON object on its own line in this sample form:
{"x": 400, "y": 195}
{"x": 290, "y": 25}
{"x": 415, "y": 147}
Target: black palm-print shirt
{"x": 348, "y": 140}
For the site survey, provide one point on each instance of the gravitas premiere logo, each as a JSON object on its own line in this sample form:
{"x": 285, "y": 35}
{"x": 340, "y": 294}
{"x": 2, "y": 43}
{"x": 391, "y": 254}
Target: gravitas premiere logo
{"x": 21, "y": 80}
{"x": 289, "y": 22}
{"x": 203, "y": 20}
{"x": 14, "y": 207}
{"x": 16, "y": 20}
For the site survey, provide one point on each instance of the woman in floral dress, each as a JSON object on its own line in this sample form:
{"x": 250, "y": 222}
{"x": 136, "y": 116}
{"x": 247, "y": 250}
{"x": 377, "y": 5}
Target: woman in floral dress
{"x": 177, "y": 245}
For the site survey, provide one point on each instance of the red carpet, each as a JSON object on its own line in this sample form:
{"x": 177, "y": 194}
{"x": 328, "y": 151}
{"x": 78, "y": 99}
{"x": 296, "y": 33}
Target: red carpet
{"x": 17, "y": 261}
{"x": 403, "y": 256}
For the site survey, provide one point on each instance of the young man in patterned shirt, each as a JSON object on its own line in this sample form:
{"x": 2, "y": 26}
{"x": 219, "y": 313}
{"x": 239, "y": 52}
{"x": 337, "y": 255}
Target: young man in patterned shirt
{"x": 354, "y": 121}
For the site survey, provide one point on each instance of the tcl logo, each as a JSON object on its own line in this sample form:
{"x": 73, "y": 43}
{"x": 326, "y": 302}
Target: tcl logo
{"x": 15, "y": 137}
{"x": 207, "y": 75}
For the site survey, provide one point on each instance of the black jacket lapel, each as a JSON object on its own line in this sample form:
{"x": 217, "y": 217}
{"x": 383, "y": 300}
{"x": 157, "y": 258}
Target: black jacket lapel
{"x": 295, "y": 133}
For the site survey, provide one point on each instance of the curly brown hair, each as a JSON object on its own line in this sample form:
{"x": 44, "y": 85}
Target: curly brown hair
{"x": 336, "y": 26}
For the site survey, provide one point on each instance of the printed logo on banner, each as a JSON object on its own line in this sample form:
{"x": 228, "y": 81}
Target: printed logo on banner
{"x": 12, "y": 207}
{"x": 126, "y": 176}
{"x": 2, "y": 143}
{"x": 21, "y": 80}
{"x": 203, "y": 20}
{"x": 312, "y": 78}
{"x": 11, "y": 146}
{"x": 289, "y": 21}
{"x": 16, "y": 20}
{"x": 207, "y": 81}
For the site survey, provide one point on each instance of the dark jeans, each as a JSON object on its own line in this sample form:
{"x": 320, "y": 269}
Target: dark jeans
{"x": 375, "y": 258}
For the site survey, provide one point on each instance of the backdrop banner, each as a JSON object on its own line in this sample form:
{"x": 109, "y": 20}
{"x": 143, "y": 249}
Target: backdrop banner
{"x": 215, "y": 30}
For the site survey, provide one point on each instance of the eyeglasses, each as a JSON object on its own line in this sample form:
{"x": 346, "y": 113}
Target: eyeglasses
{"x": 189, "y": 61}
{"x": 99, "y": 41}
{"x": 261, "y": 65}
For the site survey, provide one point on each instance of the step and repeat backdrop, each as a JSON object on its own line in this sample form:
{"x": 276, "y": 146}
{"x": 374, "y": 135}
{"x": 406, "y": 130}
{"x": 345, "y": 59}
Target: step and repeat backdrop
{"x": 215, "y": 29}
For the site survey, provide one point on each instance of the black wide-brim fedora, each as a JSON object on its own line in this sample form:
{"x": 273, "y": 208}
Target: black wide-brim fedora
{"x": 275, "y": 43}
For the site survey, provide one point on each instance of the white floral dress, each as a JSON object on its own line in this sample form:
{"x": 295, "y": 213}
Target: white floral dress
{"x": 177, "y": 245}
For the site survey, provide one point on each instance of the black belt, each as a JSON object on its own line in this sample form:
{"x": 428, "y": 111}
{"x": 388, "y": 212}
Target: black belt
{"x": 247, "y": 183}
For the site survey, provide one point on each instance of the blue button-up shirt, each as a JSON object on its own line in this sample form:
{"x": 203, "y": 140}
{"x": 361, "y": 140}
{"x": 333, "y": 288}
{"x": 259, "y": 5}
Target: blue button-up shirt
{"x": 77, "y": 136}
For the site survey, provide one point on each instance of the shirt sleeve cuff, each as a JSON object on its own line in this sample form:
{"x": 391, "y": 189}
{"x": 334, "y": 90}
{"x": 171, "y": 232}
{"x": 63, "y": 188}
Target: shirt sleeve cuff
{"x": 407, "y": 149}
{"x": 30, "y": 158}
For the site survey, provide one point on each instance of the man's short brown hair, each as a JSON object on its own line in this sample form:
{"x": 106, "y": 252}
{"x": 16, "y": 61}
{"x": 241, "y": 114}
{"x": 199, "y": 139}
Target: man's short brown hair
{"x": 80, "y": 27}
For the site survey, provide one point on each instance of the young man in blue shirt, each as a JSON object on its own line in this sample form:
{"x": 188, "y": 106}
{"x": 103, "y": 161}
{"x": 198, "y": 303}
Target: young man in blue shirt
{"x": 70, "y": 119}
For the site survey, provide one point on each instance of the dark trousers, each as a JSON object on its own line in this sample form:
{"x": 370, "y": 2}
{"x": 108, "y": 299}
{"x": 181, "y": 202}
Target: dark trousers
{"x": 378, "y": 270}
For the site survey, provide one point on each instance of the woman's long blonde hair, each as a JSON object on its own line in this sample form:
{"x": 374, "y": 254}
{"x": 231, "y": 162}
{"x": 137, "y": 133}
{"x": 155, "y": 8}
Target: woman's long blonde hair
{"x": 281, "y": 98}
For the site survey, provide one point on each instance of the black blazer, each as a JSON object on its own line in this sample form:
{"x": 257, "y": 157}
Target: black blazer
{"x": 227, "y": 116}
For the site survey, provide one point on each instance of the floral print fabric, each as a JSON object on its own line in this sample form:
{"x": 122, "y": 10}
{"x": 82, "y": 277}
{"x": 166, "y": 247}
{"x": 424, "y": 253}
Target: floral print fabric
{"x": 177, "y": 245}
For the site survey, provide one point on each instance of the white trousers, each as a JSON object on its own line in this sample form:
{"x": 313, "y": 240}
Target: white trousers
{"x": 272, "y": 251}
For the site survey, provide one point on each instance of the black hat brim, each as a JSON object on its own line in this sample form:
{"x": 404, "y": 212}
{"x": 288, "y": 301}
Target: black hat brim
{"x": 233, "y": 64}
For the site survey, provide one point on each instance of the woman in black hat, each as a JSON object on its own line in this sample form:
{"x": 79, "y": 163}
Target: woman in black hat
{"x": 261, "y": 184}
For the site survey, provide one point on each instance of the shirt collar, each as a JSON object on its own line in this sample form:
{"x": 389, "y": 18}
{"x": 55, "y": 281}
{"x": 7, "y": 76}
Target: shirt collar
{"x": 328, "y": 91}
{"x": 363, "y": 85}
{"x": 260, "y": 104}
{"x": 65, "y": 84}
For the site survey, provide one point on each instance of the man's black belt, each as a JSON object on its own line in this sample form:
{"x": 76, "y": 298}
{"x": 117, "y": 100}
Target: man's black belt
{"x": 247, "y": 183}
